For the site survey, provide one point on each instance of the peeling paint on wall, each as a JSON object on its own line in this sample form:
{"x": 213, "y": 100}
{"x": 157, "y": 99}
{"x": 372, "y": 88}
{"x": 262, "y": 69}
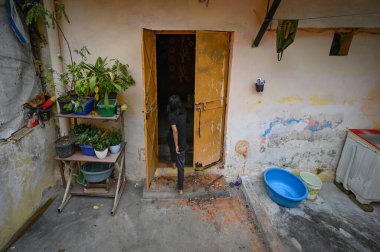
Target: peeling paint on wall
{"x": 319, "y": 101}
{"x": 279, "y": 121}
{"x": 307, "y": 123}
{"x": 308, "y": 143}
{"x": 289, "y": 99}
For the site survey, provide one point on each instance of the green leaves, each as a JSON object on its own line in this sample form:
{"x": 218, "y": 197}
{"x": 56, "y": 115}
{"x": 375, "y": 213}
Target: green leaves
{"x": 91, "y": 136}
{"x": 36, "y": 13}
{"x": 117, "y": 86}
{"x": 114, "y": 138}
{"x": 92, "y": 83}
{"x": 106, "y": 101}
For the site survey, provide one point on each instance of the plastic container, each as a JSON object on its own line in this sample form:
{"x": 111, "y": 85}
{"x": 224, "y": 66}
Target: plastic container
{"x": 62, "y": 110}
{"x": 313, "y": 183}
{"x": 101, "y": 154}
{"x": 115, "y": 148}
{"x": 87, "y": 107}
{"x": 107, "y": 112}
{"x": 65, "y": 146}
{"x": 96, "y": 172}
{"x": 87, "y": 150}
{"x": 284, "y": 188}
{"x": 49, "y": 103}
{"x": 44, "y": 114}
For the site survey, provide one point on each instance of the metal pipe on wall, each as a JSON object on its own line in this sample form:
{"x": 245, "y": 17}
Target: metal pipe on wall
{"x": 54, "y": 50}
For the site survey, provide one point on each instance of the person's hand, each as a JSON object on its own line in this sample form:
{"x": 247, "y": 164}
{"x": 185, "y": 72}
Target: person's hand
{"x": 177, "y": 149}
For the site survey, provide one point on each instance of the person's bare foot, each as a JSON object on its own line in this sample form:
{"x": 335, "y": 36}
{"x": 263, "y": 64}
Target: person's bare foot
{"x": 180, "y": 192}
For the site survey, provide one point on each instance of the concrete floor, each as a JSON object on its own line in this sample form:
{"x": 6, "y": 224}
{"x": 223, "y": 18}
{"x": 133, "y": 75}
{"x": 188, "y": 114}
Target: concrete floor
{"x": 331, "y": 223}
{"x": 222, "y": 224}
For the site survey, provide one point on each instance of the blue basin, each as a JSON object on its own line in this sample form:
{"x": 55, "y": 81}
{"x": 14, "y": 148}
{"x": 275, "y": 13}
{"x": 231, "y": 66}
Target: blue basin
{"x": 96, "y": 172}
{"x": 284, "y": 188}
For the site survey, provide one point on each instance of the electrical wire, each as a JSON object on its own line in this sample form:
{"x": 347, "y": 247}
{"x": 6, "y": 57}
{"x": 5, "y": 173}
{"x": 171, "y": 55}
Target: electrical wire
{"x": 326, "y": 17}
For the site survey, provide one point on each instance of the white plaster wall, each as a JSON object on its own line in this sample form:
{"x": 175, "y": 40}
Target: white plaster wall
{"x": 309, "y": 100}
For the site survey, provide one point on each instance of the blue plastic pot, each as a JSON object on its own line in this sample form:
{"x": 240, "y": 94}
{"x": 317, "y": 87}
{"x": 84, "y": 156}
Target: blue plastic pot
{"x": 87, "y": 107}
{"x": 284, "y": 188}
{"x": 115, "y": 148}
{"x": 87, "y": 150}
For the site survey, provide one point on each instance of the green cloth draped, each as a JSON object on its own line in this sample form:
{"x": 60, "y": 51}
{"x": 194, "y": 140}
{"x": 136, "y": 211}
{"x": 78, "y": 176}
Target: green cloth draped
{"x": 286, "y": 33}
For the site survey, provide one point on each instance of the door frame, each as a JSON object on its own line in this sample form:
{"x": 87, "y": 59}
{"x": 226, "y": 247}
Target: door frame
{"x": 227, "y": 83}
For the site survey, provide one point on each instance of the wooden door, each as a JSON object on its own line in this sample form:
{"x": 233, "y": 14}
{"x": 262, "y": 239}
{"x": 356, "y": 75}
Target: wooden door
{"x": 150, "y": 110}
{"x": 211, "y": 69}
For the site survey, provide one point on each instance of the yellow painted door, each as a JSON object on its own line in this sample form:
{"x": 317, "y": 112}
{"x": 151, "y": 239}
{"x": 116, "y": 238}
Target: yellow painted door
{"x": 150, "y": 110}
{"x": 211, "y": 69}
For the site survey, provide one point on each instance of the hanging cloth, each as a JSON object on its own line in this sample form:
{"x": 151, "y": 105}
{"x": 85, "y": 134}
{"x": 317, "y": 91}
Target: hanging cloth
{"x": 286, "y": 33}
{"x": 16, "y": 22}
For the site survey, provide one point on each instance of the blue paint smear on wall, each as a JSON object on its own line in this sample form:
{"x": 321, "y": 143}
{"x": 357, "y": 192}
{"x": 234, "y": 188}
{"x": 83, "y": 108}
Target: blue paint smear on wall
{"x": 319, "y": 126}
{"x": 279, "y": 121}
{"x": 311, "y": 124}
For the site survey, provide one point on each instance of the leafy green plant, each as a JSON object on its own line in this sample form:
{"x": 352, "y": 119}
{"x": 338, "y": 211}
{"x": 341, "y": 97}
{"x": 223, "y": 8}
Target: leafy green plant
{"x": 106, "y": 77}
{"x": 75, "y": 72}
{"x": 79, "y": 105}
{"x": 101, "y": 144}
{"x": 68, "y": 106}
{"x": 89, "y": 137}
{"x": 99, "y": 79}
{"x": 38, "y": 16}
{"x": 114, "y": 138}
{"x": 79, "y": 129}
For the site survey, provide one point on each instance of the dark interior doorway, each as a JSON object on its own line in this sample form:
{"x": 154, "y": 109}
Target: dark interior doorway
{"x": 175, "y": 75}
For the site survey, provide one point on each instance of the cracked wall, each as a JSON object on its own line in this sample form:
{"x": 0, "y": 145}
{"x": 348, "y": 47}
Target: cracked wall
{"x": 309, "y": 99}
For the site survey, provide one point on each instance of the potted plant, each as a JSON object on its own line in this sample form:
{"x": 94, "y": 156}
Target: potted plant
{"x": 65, "y": 146}
{"x": 101, "y": 148}
{"x": 106, "y": 79}
{"x": 78, "y": 129}
{"x": 82, "y": 106}
{"x": 87, "y": 139}
{"x": 115, "y": 139}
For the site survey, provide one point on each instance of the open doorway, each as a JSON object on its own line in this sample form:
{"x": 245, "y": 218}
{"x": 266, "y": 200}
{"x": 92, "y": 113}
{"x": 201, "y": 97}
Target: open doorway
{"x": 175, "y": 57}
{"x": 195, "y": 66}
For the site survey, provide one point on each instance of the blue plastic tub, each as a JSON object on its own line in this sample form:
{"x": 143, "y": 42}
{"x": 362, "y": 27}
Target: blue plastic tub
{"x": 87, "y": 107}
{"x": 96, "y": 172}
{"x": 284, "y": 188}
{"x": 87, "y": 150}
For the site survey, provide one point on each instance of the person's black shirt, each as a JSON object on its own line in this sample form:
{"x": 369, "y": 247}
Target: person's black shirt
{"x": 180, "y": 122}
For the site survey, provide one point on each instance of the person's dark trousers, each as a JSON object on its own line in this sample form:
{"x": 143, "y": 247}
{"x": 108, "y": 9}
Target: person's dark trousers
{"x": 180, "y": 162}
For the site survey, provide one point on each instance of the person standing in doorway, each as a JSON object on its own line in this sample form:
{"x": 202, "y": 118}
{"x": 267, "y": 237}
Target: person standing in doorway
{"x": 177, "y": 137}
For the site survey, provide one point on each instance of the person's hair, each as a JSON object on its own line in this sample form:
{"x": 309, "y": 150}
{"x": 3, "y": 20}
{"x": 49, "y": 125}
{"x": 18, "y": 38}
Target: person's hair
{"x": 175, "y": 105}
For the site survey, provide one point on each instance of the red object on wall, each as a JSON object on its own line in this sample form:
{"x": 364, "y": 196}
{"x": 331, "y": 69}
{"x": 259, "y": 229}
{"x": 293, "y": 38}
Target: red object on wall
{"x": 49, "y": 103}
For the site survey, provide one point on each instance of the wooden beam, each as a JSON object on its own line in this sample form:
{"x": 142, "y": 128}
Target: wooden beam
{"x": 267, "y": 20}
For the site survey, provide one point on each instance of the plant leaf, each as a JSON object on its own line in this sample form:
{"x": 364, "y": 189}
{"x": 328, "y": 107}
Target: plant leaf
{"x": 117, "y": 86}
{"x": 106, "y": 101}
{"x": 92, "y": 83}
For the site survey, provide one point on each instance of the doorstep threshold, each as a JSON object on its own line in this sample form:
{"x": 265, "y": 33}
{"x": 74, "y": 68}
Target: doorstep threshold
{"x": 173, "y": 194}
{"x": 195, "y": 186}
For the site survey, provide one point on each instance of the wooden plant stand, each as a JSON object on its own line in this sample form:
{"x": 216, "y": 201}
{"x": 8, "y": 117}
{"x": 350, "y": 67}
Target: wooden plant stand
{"x": 113, "y": 188}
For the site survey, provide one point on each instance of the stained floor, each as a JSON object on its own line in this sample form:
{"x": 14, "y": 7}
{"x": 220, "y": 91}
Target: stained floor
{"x": 331, "y": 223}
{"x": 222, "y": 224}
